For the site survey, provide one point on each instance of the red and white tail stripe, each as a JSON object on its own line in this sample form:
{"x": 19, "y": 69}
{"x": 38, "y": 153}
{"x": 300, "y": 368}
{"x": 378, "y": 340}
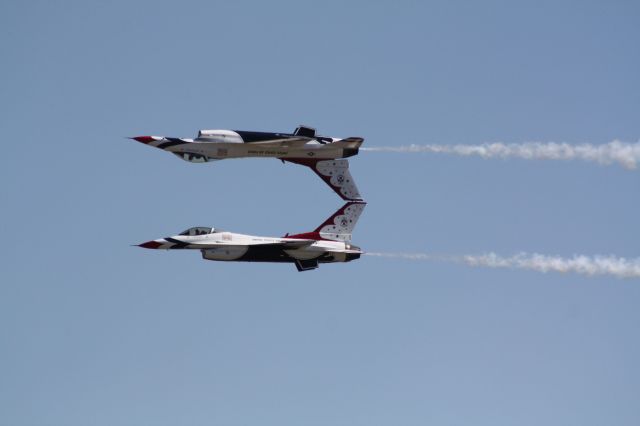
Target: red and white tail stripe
{"x": 335, "y": 173}
{"x": 339, "y": 226}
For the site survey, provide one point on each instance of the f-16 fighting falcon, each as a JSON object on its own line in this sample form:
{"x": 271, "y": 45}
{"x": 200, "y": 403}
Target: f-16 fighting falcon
{"x": 324, "y": 155}
{"x": 328, "y": 243}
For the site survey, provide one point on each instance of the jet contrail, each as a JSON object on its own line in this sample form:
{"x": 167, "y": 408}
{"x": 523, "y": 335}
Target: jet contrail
{"x": 586, "y": 265}
{"x": 625, "y": 153}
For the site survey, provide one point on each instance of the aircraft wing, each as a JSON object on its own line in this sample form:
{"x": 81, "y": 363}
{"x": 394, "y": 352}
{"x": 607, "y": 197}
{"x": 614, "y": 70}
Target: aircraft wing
{"x": 288, "y": 244}
{"x": 286, "y": 142}
{"x": 335, "y": 173}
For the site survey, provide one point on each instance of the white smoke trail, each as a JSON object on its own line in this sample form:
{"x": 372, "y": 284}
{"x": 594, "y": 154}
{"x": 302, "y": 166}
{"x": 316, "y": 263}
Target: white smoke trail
{"x": 586, "y": 265}
{"x": 625, "y": 153}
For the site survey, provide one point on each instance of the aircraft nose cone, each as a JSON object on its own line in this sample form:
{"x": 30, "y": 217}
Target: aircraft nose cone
{"x": 150, "y": 245}
{"x": 143, "y": 139}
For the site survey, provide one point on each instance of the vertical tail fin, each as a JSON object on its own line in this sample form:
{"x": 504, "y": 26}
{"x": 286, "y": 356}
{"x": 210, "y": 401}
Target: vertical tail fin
{"x": 339, "y": 226}
{"x": 335, "y": 173}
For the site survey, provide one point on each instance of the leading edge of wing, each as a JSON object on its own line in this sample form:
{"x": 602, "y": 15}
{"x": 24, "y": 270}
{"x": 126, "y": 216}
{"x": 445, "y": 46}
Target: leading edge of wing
{"x": 288, "y": 244}
{"x": 297, "y": 141}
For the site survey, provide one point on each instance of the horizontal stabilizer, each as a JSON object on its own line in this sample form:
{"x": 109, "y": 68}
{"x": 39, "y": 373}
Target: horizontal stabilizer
{"x": 306, "y": 131}
{"x": 306, "y": 265}
{"x": 351, "y": 141}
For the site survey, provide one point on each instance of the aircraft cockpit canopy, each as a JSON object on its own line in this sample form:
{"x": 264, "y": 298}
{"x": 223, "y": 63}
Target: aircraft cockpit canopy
{"x": 198, "y": 230}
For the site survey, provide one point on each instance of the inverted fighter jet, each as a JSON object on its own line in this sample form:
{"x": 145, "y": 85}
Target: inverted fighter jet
{"x": 328, "y": 243}
{"x": 324, "y": 155}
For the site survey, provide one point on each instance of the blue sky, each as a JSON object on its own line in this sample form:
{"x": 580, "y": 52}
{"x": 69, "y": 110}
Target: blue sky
{"x": 93, "y": 331}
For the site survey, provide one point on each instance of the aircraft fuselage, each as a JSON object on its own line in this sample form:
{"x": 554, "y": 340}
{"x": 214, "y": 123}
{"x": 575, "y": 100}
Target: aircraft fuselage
{"x": 213, "y": 145}
{"x": 330, "y": 242}
{"x": 228, "y": 246}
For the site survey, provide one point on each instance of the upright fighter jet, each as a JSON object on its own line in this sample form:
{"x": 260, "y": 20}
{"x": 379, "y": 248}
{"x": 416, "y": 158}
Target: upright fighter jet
{"x": 326, "y": 156}
{"x": 328, "y": 243}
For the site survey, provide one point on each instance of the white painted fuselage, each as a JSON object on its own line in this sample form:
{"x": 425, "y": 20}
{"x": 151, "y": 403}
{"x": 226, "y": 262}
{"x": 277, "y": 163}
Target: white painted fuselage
{"x": 232, "y": 246}
{"x": 211, "y": 145}
{"x": 330, "y": 242}
{"x": 229, "y": 246}
{"x": 326, "y": 156}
